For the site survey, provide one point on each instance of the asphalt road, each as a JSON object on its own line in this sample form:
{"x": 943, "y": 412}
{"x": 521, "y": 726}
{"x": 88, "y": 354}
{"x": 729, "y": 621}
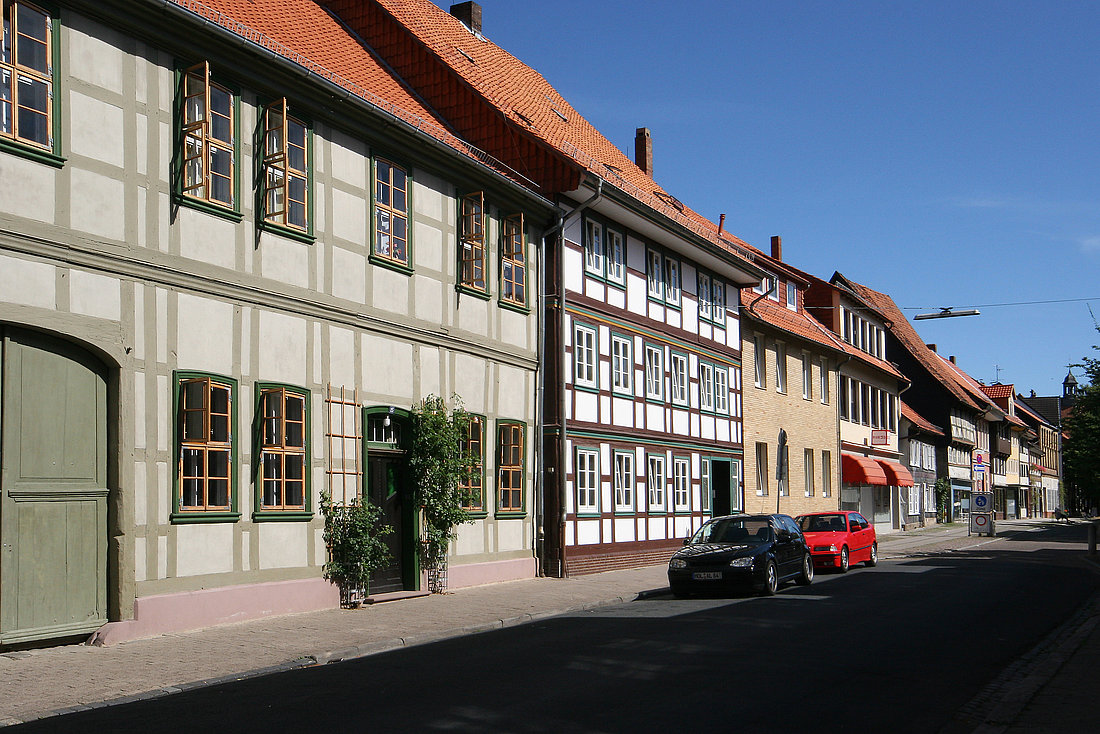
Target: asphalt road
{"x": 900, "y": 647}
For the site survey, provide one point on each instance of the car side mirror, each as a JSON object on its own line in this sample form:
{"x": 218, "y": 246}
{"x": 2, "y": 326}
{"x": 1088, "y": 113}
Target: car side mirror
{"x": 687, "y": 540}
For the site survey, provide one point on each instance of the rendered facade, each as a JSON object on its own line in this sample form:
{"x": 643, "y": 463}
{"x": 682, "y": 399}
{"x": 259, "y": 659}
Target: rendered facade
{"x": 241, "y": 279}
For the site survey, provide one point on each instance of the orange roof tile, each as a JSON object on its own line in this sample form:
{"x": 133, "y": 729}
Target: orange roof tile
{"x": 998, "y": 391}
{"x": 532, "y": 106}
{"x": 304, "y": 33}
{"x": 918, "y": 420}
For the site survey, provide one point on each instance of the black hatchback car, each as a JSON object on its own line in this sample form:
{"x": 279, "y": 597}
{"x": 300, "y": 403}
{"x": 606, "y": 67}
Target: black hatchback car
{"x": 740, "y": 551}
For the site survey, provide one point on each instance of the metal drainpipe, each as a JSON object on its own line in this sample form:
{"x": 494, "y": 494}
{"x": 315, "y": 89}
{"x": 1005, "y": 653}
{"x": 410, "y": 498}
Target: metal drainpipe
{"x": 540, "y": 475}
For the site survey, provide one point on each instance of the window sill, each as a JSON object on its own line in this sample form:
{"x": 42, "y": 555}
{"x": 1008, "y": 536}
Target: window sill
{"x": 186, "y": 518}
{"x": 586, "y": 388}
{"x": 623, "y": 393}
{"x": 390, "y": 264}
{"x": 469, "y": 290}
{"x": 475, "y": 514}
{"x": 589, "y": 515}
{"x": 298, "y": 235}
{"x": 205, "y": 206}
{"x": 518, "y": 308}
{"x": 510, "y": 515}
{"x": 282, "y": 516}
{"x": 39, "y": 155}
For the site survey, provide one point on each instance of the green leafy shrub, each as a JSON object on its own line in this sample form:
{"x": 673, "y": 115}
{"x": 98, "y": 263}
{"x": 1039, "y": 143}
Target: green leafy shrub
{"x": 355, "y": 537}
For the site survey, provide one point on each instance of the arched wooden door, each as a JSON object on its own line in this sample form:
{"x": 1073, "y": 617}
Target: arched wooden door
{"x": 53, "y": 488}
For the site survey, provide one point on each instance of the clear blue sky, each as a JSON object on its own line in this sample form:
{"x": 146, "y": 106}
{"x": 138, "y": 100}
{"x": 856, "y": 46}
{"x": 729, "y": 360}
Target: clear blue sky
{"x": 946, "y": 153}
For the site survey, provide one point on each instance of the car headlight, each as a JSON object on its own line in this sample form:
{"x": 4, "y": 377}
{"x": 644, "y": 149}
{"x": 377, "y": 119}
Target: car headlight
{"x": 677, "y": 563}
{"x": 826, "y": 548}
{"x": 741, "y": 562}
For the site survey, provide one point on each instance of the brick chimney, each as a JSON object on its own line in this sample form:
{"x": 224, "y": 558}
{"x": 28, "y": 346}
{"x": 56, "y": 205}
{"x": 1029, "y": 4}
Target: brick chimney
{"x": 952, "y": 358}
{"x": 777, "y": 248}
{"x": 931, "y": 346}
{"x": 470, "y": 15}
{"x": 643, "y": 150}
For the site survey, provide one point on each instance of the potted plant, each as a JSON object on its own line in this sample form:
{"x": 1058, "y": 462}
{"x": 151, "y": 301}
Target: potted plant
{"x": 355, "y": 537}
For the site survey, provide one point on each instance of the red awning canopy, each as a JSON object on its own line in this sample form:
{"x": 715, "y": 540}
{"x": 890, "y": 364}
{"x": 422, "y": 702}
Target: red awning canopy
{"x": 896, "y": 474}
{"x": 861, "y": 470}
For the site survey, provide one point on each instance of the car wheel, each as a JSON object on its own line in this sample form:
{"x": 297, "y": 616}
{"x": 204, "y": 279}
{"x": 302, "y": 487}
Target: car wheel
{"x": 771, "y": 580}
{"x": 807, "y": 576}
{"x": 872, "y": 559}
{"x": 844, "y": 559}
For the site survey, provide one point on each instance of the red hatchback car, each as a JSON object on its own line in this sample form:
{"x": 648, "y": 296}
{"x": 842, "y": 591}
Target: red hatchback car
{"x": 839, "y": 539}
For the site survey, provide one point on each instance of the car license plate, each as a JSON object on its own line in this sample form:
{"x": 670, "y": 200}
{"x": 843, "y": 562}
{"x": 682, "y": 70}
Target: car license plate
{"x": 706, "y": 576}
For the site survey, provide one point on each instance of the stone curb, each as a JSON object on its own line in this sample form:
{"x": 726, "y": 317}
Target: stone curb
{"x": 351, "y": 653}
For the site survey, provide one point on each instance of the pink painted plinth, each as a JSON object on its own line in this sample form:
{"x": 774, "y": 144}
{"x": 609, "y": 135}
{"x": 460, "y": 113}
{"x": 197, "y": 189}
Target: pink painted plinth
{"x": 189, "y": 610}
{"x": 476, "y": 574}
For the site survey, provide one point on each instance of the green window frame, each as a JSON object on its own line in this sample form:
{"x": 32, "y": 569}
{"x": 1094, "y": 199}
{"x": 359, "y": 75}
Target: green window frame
{"x": 29, "y": 56}
{"x": 286, "y": 176}
{"x": 473, "y": 257}
{"x": 586, "y": 467}
{"x": 209, "y": 142}
{"x": 205, "y": 486}
{"x": 511, "y": 468}
{"x": 390, "y": 220}
{"x": 513, "y": 262}
{"x": 282, "y": 442}
{"x": 593, "y": 248}
{"x": 473, "y": 486}
{"x": 704, "y": 484}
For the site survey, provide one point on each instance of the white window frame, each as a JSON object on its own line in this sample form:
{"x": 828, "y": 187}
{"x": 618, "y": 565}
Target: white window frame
{"x": 681, "y": 483}
{"x": 615, "y": 256}
{"x": 672, "y": 281}
{"x": 721, "y": 390}
{"x": 759, "y": 362}
{"x": 655, "y": 275}
{"x": 807, "y": 377}
{"x": 656, "y": 481}
{"x": 706, "y": 386}
{"x": 586, "y": 481}
{"x": 625, "y": 481}
{"x": 704, "y": 484}
{"x": 826, "y": 474}
{"x": 780, "y": 367}
{"x": 586, "y": 363}
{"x": 914, "y": 499}
{"x": 718, "y": 302}
{"x": 824, "y": 388}
{"x": 678, "y": 365}
{"x": 654, "y": 372}
{"x": 593, "y": 248}
{"x": 762, "y": 472}
{"x": 808, "y": 470}
{"x": 702, "y": 288}
{"x": 792, "y": 296}
{"x": 622, "y": 364}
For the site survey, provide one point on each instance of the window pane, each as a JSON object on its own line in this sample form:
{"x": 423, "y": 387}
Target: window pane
{"x": 217, "y": 493}
{"x": 31, "y": 49}
{"x": 272, "y": 467}
{"x": 5, "y": 47}
{"x": 294, "y": 466}
{"x": 399, "y": 202}
{"x": 295, "y": 494}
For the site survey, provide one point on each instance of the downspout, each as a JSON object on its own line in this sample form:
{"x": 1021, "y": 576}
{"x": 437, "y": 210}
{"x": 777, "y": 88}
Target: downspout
{"x": 774, "y": 284}
{"x": 540, "y": 475}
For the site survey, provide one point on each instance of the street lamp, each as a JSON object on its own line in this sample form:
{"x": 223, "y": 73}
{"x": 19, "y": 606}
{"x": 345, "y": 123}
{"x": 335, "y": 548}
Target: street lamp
{"x": 946, "y": 313}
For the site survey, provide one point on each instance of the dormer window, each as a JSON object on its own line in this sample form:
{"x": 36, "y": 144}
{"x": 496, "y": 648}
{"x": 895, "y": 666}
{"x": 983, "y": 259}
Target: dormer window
{"x": 792, "y": 297}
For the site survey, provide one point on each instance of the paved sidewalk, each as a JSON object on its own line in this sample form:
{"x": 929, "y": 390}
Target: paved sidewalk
{"x": 45, "y": 682}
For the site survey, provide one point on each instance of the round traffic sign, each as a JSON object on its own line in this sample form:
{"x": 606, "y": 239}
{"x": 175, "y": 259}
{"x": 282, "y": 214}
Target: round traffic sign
{"x": 981, "y": 522}
{"x": 981, "y": 502}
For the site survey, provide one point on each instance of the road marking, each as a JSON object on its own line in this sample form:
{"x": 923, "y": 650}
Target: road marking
{"x": 979, "y": 545}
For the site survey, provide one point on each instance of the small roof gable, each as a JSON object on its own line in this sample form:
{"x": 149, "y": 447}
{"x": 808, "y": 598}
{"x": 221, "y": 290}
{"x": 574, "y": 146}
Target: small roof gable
{"x": 919, "y": 421}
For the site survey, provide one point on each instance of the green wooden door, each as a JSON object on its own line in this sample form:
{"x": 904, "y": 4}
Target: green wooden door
{"x": 53, "y": 489}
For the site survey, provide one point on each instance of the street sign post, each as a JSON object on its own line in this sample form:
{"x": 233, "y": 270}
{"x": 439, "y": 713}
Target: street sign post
{"x": 981, "y": 523}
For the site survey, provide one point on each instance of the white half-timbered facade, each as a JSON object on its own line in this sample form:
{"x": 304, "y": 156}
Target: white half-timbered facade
{"x": 651, "y": 388}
